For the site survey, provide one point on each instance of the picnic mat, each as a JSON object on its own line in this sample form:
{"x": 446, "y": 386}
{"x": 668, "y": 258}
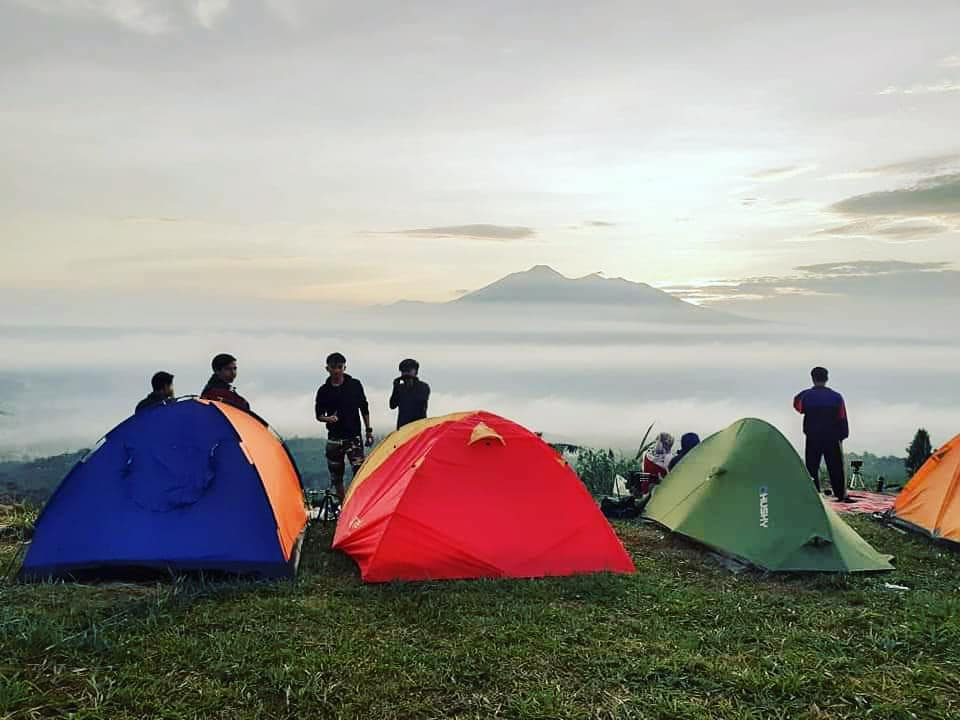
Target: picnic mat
{"x": 866, "y": 502}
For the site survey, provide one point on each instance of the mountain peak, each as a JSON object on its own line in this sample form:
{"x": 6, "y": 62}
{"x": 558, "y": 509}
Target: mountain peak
{"x": 542, "y": 285}
{"x": 543, "y": 271}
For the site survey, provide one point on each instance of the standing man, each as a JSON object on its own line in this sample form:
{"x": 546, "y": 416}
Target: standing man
{"x": 162, "y": 384}
{"x": 220, "y": 385}
{"x": 826, "y": 427}
{"x": 341, "y": 403}
{"x": 410, "y": 394}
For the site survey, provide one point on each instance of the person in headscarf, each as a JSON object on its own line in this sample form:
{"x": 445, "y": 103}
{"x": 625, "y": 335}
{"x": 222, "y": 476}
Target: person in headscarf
{"x": 657, "y": 461}
{"x": 688, "y": 441}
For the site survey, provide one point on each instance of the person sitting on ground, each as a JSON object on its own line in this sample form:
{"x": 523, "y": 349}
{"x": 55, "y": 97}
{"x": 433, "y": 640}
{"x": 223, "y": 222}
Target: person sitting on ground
{"x": 410, "y": 394}
{"x": 657, "y": 461}
{"x": 688, "y": 441}
{"x": 340, "y": 404}
{"x": 825, "y": 426}
{"x": 220, "y": 385}
{"x": 162, "y": 384}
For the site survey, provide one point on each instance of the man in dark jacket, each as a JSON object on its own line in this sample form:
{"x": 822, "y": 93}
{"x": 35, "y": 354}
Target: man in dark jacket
{"x": 341, "y": 403}
{"x": 825, "y": 426}
{"x": 162, "y": 384}
{"x": 410, "y": 394}
{"x": 220, "y": 387}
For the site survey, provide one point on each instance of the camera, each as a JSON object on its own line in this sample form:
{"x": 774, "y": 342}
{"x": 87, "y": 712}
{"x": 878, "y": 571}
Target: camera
{"x": 856, "y": 464}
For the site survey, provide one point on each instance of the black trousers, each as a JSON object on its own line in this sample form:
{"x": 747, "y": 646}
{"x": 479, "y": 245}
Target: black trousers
{"x": 832, "y": 452}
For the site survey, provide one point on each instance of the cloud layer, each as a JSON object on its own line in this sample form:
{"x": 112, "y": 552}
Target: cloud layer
{"x": 918, "y": 298}
{"x": 63, "y": 389}
{"x": 781, "y": 173}
{"x": 938, "y": 195}
{"x": 474, "y": 232}
{"x": 156, "y": 17}
{"x": 885, "y": 229}
{"x": 944, "y": 86}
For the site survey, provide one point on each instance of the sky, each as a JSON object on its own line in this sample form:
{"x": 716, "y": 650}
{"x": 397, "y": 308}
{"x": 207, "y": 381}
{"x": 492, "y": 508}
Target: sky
{"x": 185, "y": 177}
{"x": 369, "y": 152}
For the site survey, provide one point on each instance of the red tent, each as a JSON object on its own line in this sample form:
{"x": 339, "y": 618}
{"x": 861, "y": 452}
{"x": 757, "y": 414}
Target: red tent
{"x": 472, "y": 495}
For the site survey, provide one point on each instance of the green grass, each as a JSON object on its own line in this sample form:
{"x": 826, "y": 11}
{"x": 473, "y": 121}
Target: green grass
{"x": 683, "y": 638}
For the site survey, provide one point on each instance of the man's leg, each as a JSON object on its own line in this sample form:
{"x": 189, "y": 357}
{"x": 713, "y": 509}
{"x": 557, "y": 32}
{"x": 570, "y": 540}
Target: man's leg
{"x": 355, "y": 456}
{"x": 834, "y": 457}
{"x": 814, "y": 452}
{"x": 336, "y": 465}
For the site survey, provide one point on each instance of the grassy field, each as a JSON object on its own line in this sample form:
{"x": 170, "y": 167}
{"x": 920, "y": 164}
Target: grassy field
{"x": 683, "y": 638}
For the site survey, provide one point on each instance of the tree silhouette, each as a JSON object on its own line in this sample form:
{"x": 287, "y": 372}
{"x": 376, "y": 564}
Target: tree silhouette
{"x": 918, "y": 452}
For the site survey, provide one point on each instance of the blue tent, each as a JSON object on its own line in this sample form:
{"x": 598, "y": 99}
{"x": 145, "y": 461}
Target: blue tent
{"x": 187, "y": 486}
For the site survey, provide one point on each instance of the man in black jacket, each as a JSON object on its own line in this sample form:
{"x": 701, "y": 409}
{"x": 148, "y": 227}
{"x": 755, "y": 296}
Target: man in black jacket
{"x": 341, "y": 403}
{"x": 410, "y": 394}
{"x": 162, "y": 384}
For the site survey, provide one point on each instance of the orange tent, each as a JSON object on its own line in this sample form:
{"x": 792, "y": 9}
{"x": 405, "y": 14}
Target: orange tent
{"x": 472, "y": 495}
{"x": 930, "y": 502}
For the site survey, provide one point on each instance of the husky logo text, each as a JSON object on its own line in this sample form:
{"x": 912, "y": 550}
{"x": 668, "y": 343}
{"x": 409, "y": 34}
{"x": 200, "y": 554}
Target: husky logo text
{"x": 764, "y": 509}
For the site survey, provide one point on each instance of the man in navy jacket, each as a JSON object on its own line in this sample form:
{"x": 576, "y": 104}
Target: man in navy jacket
{"x": 826, "y": 427}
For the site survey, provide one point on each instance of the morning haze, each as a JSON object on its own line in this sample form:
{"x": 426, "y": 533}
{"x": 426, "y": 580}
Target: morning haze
{"x": 584, "y": 216}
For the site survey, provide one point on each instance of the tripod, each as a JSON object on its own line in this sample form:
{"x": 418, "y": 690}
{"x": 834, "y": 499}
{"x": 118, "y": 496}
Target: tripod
{"x": 329, "y": 506}
{"x": 856, "y": 478}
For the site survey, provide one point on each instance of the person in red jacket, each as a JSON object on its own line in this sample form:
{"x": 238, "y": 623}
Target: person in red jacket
{"x": 220, "y": 387}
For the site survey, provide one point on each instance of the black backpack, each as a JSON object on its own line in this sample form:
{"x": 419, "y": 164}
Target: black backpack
{"x": 621, "y": 508}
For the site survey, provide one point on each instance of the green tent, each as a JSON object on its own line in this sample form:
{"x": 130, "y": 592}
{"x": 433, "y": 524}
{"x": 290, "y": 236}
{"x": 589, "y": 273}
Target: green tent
{"x": 746, "y": 493}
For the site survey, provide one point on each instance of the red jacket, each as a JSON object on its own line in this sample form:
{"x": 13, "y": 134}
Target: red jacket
{"x": 217, "y": 389}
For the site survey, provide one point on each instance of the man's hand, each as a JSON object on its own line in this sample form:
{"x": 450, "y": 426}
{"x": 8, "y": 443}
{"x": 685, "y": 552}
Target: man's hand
{"x": 369, "y": 437}
{"x": 328, "y": 419}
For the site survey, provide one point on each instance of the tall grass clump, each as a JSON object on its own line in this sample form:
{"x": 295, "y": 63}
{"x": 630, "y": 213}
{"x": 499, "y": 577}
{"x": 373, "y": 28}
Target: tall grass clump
{"x": 598, "y": 468}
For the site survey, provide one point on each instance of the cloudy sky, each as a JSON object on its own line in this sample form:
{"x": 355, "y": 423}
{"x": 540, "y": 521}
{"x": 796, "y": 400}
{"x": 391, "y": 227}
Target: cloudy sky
{"x": 367, "y": 152}
{"x": 194, "y": 176}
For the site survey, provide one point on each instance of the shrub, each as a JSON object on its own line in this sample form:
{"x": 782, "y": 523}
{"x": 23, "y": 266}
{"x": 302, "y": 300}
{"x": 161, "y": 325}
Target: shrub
{"x": 597, "y": 468}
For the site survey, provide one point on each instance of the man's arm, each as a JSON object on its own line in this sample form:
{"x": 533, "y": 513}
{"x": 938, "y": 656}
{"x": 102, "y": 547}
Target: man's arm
{"x": 798, "y": 403}
{"x": 395, "y": 396}
{"x": 319, "y": 407}
{"x": 426, "y": 397}
{"x": 364, "y": 407}
{"x": 842, "y": 421}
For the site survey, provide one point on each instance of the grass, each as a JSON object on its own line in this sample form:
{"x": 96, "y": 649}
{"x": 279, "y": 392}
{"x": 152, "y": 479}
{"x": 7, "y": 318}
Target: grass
{"x": 683, "y": 638}
{"x": 16, "y": 521}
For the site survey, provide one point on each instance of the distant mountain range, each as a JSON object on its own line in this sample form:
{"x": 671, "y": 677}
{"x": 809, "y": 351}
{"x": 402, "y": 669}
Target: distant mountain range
{"x": 522, "y": 293}
{"x": 543, "y": 284}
